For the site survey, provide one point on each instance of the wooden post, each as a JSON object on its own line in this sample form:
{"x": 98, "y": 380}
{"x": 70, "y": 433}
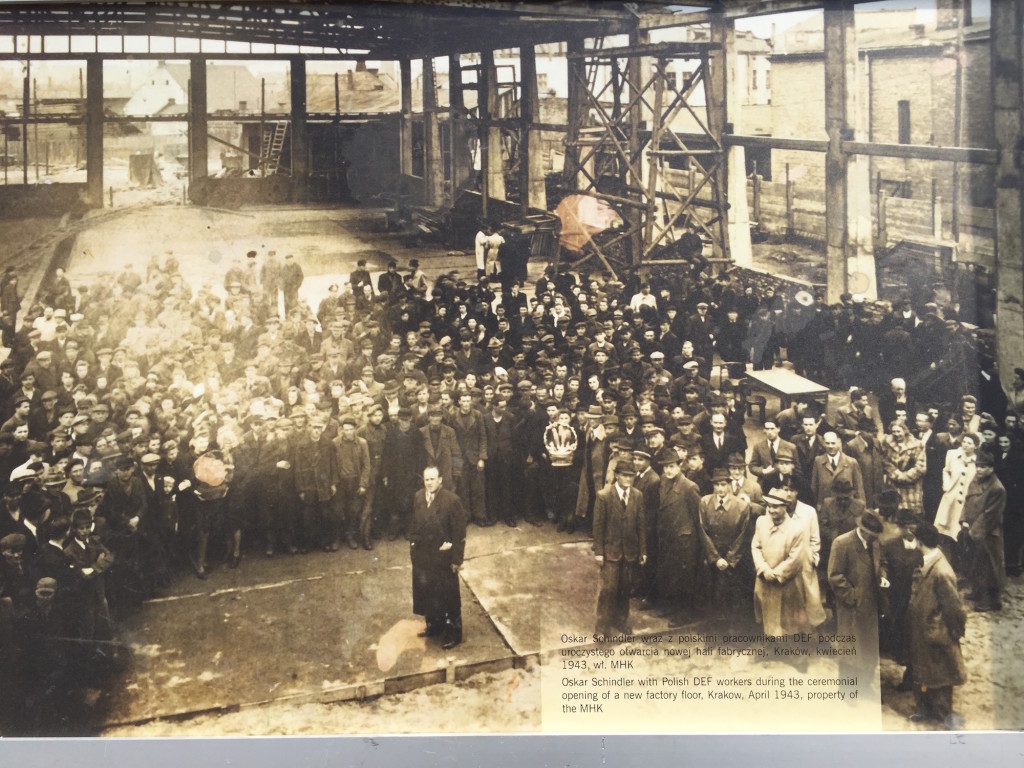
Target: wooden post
{"x": 197, "y": 121}
{"x": 634, "y": 79}
{"x": 790, "y": 217}
{"x": 433, "y": 168}
{"x": 757, "y": 196}
{"x": 737, "y": 229}
{"x": 458, "y": 135}
{"x": 850, "y": 261}
{"x": 494, "y": 168}
{"x": 405, "y": 131}
{"x": 936, "y": 211}
{"x": 26, "y": 110}
{"x": 94, "y": 132}
{"x": 532, "y": 192}
{"x": 883, "y": 228}
{"x": 1008, "y": 106}
{"x": 576, "y": 112}
{"x": 300, "y": 134}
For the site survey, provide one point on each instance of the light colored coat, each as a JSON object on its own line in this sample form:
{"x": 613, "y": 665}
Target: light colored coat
{"x": 956, "y": 479}
{"x": 779, "y": 550}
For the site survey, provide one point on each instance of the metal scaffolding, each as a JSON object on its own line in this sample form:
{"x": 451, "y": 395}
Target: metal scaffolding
{"x": 662, "y": 182}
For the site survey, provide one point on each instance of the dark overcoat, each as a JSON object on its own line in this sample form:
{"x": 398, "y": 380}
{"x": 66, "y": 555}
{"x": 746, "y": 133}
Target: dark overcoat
{"x": 435, "y": 586}
{"x": 936, "y": 620}
{"x": 678, "y": 537}
{"x": 854, "y": 573}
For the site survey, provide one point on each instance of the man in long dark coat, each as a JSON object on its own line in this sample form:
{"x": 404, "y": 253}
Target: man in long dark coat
{"x": 982, "y": 522}
{"x": 677, "y": 537}
{"x": 437, "y": 544}
{"x": 855, "y": 575}
{"x": 936, "y": 620}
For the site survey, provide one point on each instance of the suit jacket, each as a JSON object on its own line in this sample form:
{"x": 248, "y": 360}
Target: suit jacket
{"x": 445, "y": 455}
{"x": 824, "y": 475}
{"x": 620, "y": 530}
{"x": 725, "y": 534}
{"x": 761, "y": 457}
{"x": 471, "y": 435}
{"x": 715, "y": 457}
{"x": 807, "y": 453}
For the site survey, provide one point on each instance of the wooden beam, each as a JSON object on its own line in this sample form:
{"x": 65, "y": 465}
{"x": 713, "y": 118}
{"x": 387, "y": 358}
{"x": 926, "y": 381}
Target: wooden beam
{"x": 923, "y": 152}
{"x": 774, "y": 142}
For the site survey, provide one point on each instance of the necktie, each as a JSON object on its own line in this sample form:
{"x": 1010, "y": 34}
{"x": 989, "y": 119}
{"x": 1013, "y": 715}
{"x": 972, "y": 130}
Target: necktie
{"x": 625, "y": 498}
{"x": 430, "y": 498}
{"x": 735, "y": 486}
{"x": 771, "y": 449}
{"x": 835, "y": 463}
{"x": 718, "y": 442}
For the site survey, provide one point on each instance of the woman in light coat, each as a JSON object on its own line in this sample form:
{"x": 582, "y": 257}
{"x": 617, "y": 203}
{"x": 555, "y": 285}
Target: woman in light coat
{"x": 956, "y": 479}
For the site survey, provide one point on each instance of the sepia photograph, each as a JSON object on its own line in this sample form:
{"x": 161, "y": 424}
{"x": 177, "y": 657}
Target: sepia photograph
{"x": 552, "y": 368}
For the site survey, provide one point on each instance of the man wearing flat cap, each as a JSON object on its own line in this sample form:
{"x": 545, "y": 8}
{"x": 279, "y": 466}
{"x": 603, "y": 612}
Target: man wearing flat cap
{"x": 620, "y": 544}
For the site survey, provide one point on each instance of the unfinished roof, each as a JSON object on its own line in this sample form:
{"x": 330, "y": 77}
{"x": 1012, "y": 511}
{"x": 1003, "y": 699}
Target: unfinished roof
{"x": 386, "y": 29}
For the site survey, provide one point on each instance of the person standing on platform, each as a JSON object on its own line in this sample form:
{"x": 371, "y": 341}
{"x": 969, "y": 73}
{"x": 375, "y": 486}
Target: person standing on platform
{"x": 437, "y": 544}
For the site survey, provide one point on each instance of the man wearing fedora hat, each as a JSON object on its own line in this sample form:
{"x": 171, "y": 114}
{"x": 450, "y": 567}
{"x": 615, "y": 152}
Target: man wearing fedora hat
{"x": 725, "y": 523}
{"x": 677, "y": 541}
{"x": 620, "y": 544}
{"x": 856, "y": 575}
{"x": 778, "y": 549}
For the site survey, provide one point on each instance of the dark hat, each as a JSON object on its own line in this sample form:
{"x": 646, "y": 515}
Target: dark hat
{"x": 13, "y": 541}
{"x": 405, "y": 412}
{"x": 628, "y": 410}
{"x": 610, "y": 420}
{"x": 842, "y": 485}
{"x": 125, "y": 462}
{"x": 927, "y": 534}
{"x": 906, "y": 517}
{"x": 625, "y": 467}
{"x": 784, "y": 454}
{"x": 736, "y": 460}
{"x": 348, "y": 420}
{"x": 870, "y": 522}
{"x": 985, "y": 459}
{"x": 81, "y": 516}
{"x": 720, "y": 475}
{"x": 525, "y": 384}
{"x": 887, "y": 499}
{"x": 667, "y": 456}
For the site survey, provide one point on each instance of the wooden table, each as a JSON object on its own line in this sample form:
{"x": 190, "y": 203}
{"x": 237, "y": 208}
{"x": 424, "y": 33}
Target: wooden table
{"x": 787, "y": 385}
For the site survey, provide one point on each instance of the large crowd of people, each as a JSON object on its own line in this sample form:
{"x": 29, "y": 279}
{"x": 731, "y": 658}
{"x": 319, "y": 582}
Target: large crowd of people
{"x": 150, "y": 430}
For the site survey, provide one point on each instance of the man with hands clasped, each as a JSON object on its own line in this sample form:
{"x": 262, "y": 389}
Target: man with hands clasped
{"x": 620, "y": 544}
